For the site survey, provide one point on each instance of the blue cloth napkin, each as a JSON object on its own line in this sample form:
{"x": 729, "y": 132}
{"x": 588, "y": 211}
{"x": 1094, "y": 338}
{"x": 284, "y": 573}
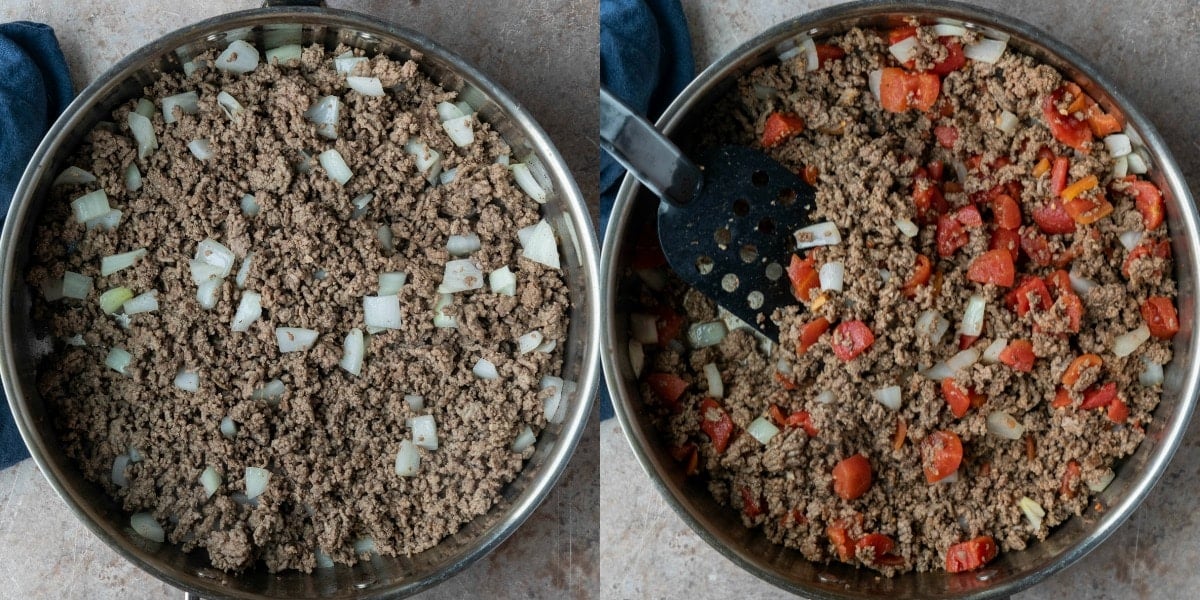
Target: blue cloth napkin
{"x": 35, "y": 87}
{"x": 645, "y": 60}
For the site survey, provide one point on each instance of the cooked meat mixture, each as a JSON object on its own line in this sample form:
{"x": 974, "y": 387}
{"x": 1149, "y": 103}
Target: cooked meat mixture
{"x": 175, "y": 381}
{"x": 965, "y": 368}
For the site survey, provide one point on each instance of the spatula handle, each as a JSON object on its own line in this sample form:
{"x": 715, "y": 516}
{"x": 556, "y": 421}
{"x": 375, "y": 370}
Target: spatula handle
{"x": 647, "y": 154}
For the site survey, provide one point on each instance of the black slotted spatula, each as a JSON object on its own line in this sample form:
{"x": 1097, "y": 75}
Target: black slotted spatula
{"x": 726, "y": 223}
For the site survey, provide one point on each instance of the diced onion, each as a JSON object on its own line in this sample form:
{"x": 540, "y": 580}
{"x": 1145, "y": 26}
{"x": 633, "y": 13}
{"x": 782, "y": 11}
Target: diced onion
{"x": 90, "y": 206}
{"x": 187, "y": 102}
{"x": 1081, "y": 285}
{"x": 210, "y": 480}
{"x": 229, "y": 105}
{"x": 324, "y": 114}
{"x": 991, "y": 354}
{"x": 447, "y": 176}
{"x": 1007, "y": 122}
{"x": 874, "y": 82}
{"x": 119, "y": 465}
{"x": 75, "y": 285}
{"x": 462, "y": 245}
{"x": 112, "y": 300}
{"x": 906, "y": 226}
{"x": 440, "y": 318}
{"x": 144, "y": 107}
{"x": 885, "y": 275}
{"x": 250, "y": 206}
{"x": 188, "y": 381}
{"x": 364, "y": 546}
{"x": 294, "y": 339}
{"x": 215, "y": 253}
{"x": 1102, "y": 482}
{"x": 831, "y": 276}
{"x": 503, "y": 281}
{"x": 825, "y": 397}
{"x": 960, "y": 170}
{"x": 239, "y": 57}
{"x": 524, "y": 440}
{"x": 323, "y": 560}
{"x": 644, "y": 328}
{"x": 202, "y": 271}
{"x": 201, "y": 149}
{"x": 712, "y": 375}
{"x": 888, "y": 396}
{"x": 118, "y": 359}
{"x": 1130, "y": 239}
{"x": 1152, "y": 375}
{"x": 554, "y": 406}
{"x": 414, "y": 401}
{"x": 345, "y": 63}
{"x": 637, "y": 357}
{"x": 116, "y": 262}
{"x": 257, "y": 479}
{"x": 427, "y": 160}
{"x": 972, "y": 321}
{"x": 228, "y": 428}
{"x": 283, "y": 54}
{"x": 143, "y": 133}
{"x": 824, "y": 233}
{"x": 391, "y": 282}
{"x": 367, "y": 86}
{"x": 541, "y": 246}
{"x": 272, "y": 390}
{"x": 956, "y": 363}
{"x": 905, "y": 49}
{"x": 460, "y": 276}
{"x": 812, "y": 60}
{"x": 703, "y": 335}
{"x": 73, "y": 176}
{"x": 529, "y": 342}
{"x": 762, "y": 429}
{"x": 527, "y": 182}
{"x": 1137, "y": 165}
{"x": 146, "y": 526}
{"x": 1118, "y": 145}
{"x": 464, "y": 108}
{"x": 484, "y": 369}
{"x": 133, "y": 178}
{"x": 206, "y": 294}
{"x": 547, "y": 346}
{"x": 244, "y": 271}
{"x": 382, "y": 311}
{"x": 331, "y": 160}
{"x": 1126, "y": 343}
{"x": 386, "y": 238}
{"x": 1120, "y": 168}
{"x": 948, "y": 30}
{"x": 408, "y": 459}
{"x": 135, "y": 455}
{"x": 764, "y": 92}
{"x": 951, "y": 478}
{"x": 145, "y": 302}
{"x": 1032, "y": 511}
{"x": 502, "y": 160}
{"x": 460, "y": 130}
{"x": 985, "y": 50}
{"x": 932, "y": 325}
{"x": 424, "y": 432}
{"x": 447, "y": 111}
{"x": 1002, "y": 424}
{"x": 248, "y": 311}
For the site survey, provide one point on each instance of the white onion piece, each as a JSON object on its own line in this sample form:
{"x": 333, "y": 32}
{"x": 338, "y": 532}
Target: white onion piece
{"x": 811, "y": 59}
{"x": 135, "y": 455}
{"x": 188, "y": 381}
{"x": 228, "y": 428}
{"x": 283, "y": 54}
{"x": 1102, "y": 483}
{"x": 654, "y": 279}
{"x": 985, "y": 50}
{"x": 248, "y": 311}
{"x": 503, "y": 281}
{"x": 484, "y": 369}
{"x": 972, "y": 320}
{"x": 956, "y": 363}
{"x": 547, "y": 346}
{"x": 244, "y": 271}
{"x": 144, "y": 107}
{"x": 119, "y": 465}
{"x": 885, "y": 275}
{"x": 1118, "y": 145}
{"x": 1032, "y": 511}
{"x": 637, "y": 357}
{"x": 1120, "y": 167}
{"x": 447, "y": 111}
{"x": 462, "y": 245}
{"x": 239, "y": 57}
{"x": 382, "y": 311}
{"x": 146, "y": 526}
{"x": 1137, "y": 165}
{"x": 932, "y": 325}
{"x": 502, "y": 160}
{"x": 554, "y": 406}
{"x": 386, "y": 238}
{"x": 345, "y": 64}
{"x": 216, "y": 254}
{"x": 1002, "y": 424}
{"x": 143, "y": 133}
{"x": 529, "y": 342}
{"x": 1007, "y": 122}
{"x": 112, "y": 300}
{"x": 75, "y": 285}
{"x": 764, "y": 92}
{"x": 825, "y": 397}
{"x": 527, "y": 182}
{"x": 1130, "y": 239}
{"x": 424, "y": 432}
{"x": 257, "y": 480}
{"x": 133, "y": 178}
{"x": 791, "y": 53}
{"x": 202, "y": 271}
{"x": 991, "y": 354}
{"x": 1126, "y": 343}
{"x": 210, "y": 480}
{"x": 364, "y": 546}
{"x": 905, "y": 49}
{"x": 187, "y": 102}
{"x": 1152, "y": 375}
{"x": 90, "y": 206}
{"x": 461, "y": 131}
{"x": 229, "y": 105}
{"x": 414, "y": 401}
{"x": 189, "y": 67}
{"x": 118, "y": 359}
{"x": 73, "y": 176}
{"x": 712, "y": 375}
{"x": 408, "y": 459}
{"x": 335, "y": 166}
{"x": 201, "y": 149}
{"x": 206, "y": 294}
{"x": 906, "y": 226}
{"x": 824, "y": 233}
{"x": 391, "y": 282}
{"x": 464, "y": 108}
{"x": 447, "y": 177}
{"x": 427, "y": 160}
{"x": 250, "y": 206}
{"x": 145, "y": 302}
{"x": 367, "y": 86}
{"x": 703, "y": 335}
{"x": 460, "y": 276}
{"x": 440, "y": 318}
{"x": 888, "y": 396}
{"x": 52, "y": 289}
{"x": 324, "y": 114}
{"x": 644, "y": 328}
{"x": 116, "y": 262}
{"x": 1081, "y": 285}
{"x": 762, "y": 429}
{"x": 874, "y": 82}
{"x": 294, "y": 339}
{"x": 541, "y": 247}
{"x": 948, "y": 30}
{"x": 951, "y": 478}
{"x": 831, "y": 276}
{"x": 524, "y": 440}
{"x": 272, "y": 390}
{"x": 360, "y": 203}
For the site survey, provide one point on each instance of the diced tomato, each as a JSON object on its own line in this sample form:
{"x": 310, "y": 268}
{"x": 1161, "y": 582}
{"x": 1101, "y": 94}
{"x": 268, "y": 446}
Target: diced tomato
{"x": 1060, "y": 282}
{"x": 843, "y": 545}
{"x": 689, "y": 455}
{"x": 970, "y": 555}
{"x": 881, "y": 549}
{"x": 1160, "y": 316}
{"x": 776, "y": 415}
{"x": 804, "y": 277}
{"x": 994, "y": 266}
{"x": 966, "y": 341}
{"x": 1018, "y": 355}
{"x": 900, "y": 435}
{"x": 925, "y": 88}
{"x": 1036, "y": 247}
{"x": 716, "y": 424}
{"x": 929, "y": 201}
{"x": 1008, "y": 240}
{"x": 1066, "y": 128}
{"x": 852, "y": 477}
{"x": 1098, "y": 397}
{"x": 1062, "y": 398}
{"x": 781, "y": 126}
{"x": 957, "y": 397}
{"x": 969, "y": 216}
{"x": 1080, "y": 365}
{"x": 828, "y": 52}
{"x": 668, "y": 325}
{"x": 1162, "y": 249}
{"x": 1086, "y": 211}
{"x": 1073, "y": 307}
{"x": 937, "y": 170}
{"x": 668, "y": 387}
{"x": 1058, "y": 176}
{"x": 751, "y": 506}
{"x": 900, "y": 90}
{"x": 1149, "y": 202}
{"x": 1030, "y": 295}
{"x": 803, "y": 420}
{"x": 922, "y": 269}
{"x": 946, "y": 135}
{"x": 852, "y": 338}
{"x": 811, "y": 175}
{"x": 1053, "y": 218}
{"x": 810, "y": 332}
{"x": 1070, "y": 479}
{"x": 900, "y": 34}
{"x": 1118, "y": 411}
{"x": 1102, "y": 123}
{"x": 1006, "y": 212}
{"x": 951, "y": 235}
{"x": 647, "y": 252}
{"x": 954, "y": 60}
{"x": 941, "y": 454}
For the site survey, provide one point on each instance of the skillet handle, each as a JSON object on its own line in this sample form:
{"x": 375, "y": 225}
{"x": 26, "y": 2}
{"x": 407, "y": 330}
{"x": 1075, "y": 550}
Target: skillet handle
{"x": 647, "y": 154}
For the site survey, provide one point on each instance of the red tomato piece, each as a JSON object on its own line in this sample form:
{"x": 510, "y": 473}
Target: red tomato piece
{"x": 1036, "y": 247}
{"x": 970, "y": 555}
{"x": 954, "y": 60}
{"x": 1073, "y": 307}
{"x": 1086, "y": 211}
{"x": 1018, "y": 355}
{"x": 803, "y": 420}
{"x": 852, "y": 338}
{"x": 1020, "y": 298}
{"x": 1006, "y": 212}
{"x": 969, "y": 216}
{"x": 946, "y": 135}
{"x": 1160, "y": 316}
{"x": 1058, "y": 176}
{"x": 852, "y": 477}
{"x": 776, "y": 415}
{"x": 668, "y": 387}
{"x": 941, "y": 454}
{"x": 1008, "y": 240}
{"x": 900, "y": 34}
{"x": 780, "y": 127}
{"x": 929, "y": 201}
{"x": 1070, "y": 479}
{"x": 937, "y": 170}
{"x": 924, "y": 88}
{"x": 1149, "y": 202}
{"x": 811, "y": 175}
{"x": 1118, "y": 411}
{"x": 804, "y": 277}
{"x": 843, "y": 545}
{"x": 1053, "y": 218}
{"x": 951, "y": 235}
{"x": 1066, "y": 128}
{"x": 716, "y": 424}
{"x": 957, "y": 397}
{"x": 1062, "y": 398}
{"x": 966, "y": 341}
{"x": 811, "y": 332}
{"x": 828, "y": 52}
{"x": 994, "y": 266}
{"x": 881, "y": 549}
{"x": 1162, "y": 249}
{"x": 751, "y": 506}
{"x": 668, "y": 325}
{"x": 894, "y": 90}
{"x": 1079, "y": 365}
{"x": 689, "y": 455}
{"x": 922, "y": 269}
{"x": 1098, "y": 397}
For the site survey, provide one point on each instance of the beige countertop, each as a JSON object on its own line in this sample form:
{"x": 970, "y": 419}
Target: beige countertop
{"x": 1150, "y": 50}
{"x": 534, "y": 49}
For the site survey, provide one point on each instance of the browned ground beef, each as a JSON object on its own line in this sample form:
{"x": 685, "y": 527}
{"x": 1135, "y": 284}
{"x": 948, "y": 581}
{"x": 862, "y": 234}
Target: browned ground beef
{"x": 866, "y": 158}
{"x": 331, "y": 441}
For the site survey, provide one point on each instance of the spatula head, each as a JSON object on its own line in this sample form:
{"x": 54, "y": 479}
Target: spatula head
{"x": 734, "y": 241}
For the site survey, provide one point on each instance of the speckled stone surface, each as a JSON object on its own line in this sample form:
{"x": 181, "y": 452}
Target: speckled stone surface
{"x": 544, "y": 53}
{"x": 1150, "y": 50}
